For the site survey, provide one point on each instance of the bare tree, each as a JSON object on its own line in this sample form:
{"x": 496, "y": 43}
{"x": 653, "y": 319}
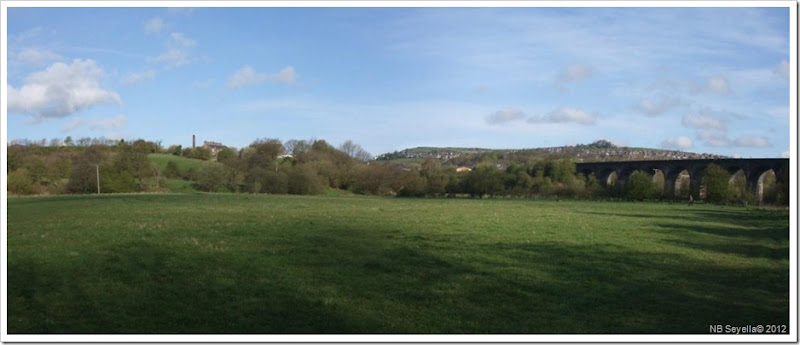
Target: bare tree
{"x": 354, "y": 150}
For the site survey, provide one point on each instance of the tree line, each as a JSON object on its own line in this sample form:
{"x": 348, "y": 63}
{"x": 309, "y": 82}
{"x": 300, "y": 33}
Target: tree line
{"x": 315, "y": 166}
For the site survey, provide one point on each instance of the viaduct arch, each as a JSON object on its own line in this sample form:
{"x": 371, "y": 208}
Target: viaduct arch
{"x": 753, "y": 168}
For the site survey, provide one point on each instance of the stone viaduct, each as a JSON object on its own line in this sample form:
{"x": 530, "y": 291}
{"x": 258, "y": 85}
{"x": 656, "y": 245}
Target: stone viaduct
{"x": 754, "y": 170}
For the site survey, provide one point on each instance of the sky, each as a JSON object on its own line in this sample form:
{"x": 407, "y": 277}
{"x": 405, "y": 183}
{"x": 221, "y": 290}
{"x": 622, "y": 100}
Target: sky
{"x": 704, "y": 80}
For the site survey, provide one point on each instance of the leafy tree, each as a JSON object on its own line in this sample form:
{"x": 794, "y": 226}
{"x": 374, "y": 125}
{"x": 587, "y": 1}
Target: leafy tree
{"x": 373, "y": 179}
{"x": 113, "y": 180}
{"x": 175, "y": 150}
{"x": 197, "y": 153}
{"x": 483, "y": 180}
{"x": 16, "y": 156}
{"x": 20, "y": 182}
{"x": 83, "y": 178}
{"x": 413, "y": 185}
{"x": 561, "y": 170}
{"x": 211, "y": 177}
{"x": 226, "y": 154}
{"x": 275, "y": 182}
{"x": 640, "y": 186}
{"x": 738, "y": 190}
{"x": 304, "y": 180}
{"x": 716, "y": 180}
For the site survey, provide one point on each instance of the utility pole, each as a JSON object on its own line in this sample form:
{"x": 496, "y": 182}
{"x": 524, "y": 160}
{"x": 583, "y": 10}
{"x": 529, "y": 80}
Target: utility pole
{"x": 97, "y": 172}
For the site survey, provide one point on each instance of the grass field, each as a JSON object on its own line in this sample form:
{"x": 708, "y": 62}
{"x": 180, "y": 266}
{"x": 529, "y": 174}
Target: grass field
{"x": 210, "y": 263}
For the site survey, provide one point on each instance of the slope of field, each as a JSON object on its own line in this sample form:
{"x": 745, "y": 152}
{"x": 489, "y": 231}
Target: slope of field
{"x": 183, "y": 163}
{"x": 177, "y": 185}
{"x": 217, "y": 263}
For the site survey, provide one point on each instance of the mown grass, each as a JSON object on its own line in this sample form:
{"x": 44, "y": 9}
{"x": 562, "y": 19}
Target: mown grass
{"x": 301, "y": 264}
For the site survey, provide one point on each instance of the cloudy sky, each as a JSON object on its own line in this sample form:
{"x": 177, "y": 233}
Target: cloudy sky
{"x": 713, "y": 80}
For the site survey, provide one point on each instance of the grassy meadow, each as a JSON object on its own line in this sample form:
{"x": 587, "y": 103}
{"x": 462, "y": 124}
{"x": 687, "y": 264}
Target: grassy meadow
{"x": 233, "y": 263}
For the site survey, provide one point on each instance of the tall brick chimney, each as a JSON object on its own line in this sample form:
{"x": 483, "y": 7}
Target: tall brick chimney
{"x": 193, "y": 143}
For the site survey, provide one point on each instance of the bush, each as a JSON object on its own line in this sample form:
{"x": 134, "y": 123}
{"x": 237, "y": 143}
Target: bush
{"x": 303, "y": 180}
{"x": 210, "y": 177}
{"x": 20, "y": 182}
{"x": 716, "y": 179}
{"x": 171, "y": 170}
{"x": 640, "y": 186}
{"x": 413, "y": 186}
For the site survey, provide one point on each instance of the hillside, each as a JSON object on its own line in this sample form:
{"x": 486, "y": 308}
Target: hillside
{"x": 598, "y": 151}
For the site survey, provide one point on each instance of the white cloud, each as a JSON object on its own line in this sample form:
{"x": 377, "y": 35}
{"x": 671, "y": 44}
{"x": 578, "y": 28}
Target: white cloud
{"x": 786, "y": 154}
{"x": 286, "y": 75}
{"x": 61, "y": 90}
{"x": 752, "y": 141}
{"x": 505, "y": 115}
{"x": 26, "y": 35}
{"x": 134, "y": 78}
{"x": 783, "y": 69}
{"x": 181, "y": 40}
{"x": 718, "y": 84}
{"x": 181, "y": 10}
{"x": 677, "y": 143}
{"x": 248, "y": 76}
{"x": 116, "y": 122}
{"x": 565, "y": 114}
{"x": 154, "y": 25}
{"x": 702, "y": 120}
{"x": 177, "y": 53}
{"x": 714, "y": 138}
{"x": 575, "y": 72}
{"x": 245, "y": 76}
{"x": 37, "y": 57}
{"x": 172, "y": 58}
{"x": 75, "y": 123}
{"x": 654, "y": 108}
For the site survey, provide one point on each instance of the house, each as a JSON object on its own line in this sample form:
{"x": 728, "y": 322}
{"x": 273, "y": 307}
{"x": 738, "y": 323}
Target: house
{"x": 214, "y": 147}
{"x": 463, "y": 169}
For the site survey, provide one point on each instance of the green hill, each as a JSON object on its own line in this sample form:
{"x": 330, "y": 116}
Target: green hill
{"x": 186, "y": 167}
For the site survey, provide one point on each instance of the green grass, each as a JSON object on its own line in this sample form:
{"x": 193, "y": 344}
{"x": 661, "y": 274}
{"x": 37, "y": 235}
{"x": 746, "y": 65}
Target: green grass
{"x": 210, "y": 263}
{"x": 183, "y": 163}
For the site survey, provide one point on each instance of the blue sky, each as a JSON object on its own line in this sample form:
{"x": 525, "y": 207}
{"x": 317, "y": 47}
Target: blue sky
{"x": 712, "y": 80}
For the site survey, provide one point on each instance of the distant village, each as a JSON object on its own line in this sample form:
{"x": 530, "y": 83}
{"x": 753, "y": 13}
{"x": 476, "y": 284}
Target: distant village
{"x": 596, "y": 152}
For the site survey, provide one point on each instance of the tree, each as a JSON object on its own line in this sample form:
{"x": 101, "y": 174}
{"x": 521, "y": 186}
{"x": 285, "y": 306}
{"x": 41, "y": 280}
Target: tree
{"x": 20, "y": 182}
{"x": 739, "y": 191}
{"x": 374, "y": 179}
{"x": 354, "y": 150}
{"x": 304, "y": 180}
{"x": 413, "y": 185}
{"x": 716, "y": 182}
{"x": 485, "y": 179}
{"x": 295, "y": 147}
{"x": 175, "y": 150}
{"x": 211, "y": 177}
{"x": 562, "y": 170}
{"x": 226, "y": 154}
{"x": 640, "y": 186}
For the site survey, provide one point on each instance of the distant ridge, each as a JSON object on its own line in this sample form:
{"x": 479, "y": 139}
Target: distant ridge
{"x": 598, "y": 151}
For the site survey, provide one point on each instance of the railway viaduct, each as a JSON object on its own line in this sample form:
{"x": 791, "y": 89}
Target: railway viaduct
{"x": 754, "y": 170}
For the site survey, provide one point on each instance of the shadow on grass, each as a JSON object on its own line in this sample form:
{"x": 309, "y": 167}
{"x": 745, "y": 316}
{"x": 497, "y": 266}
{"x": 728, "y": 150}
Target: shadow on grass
{"x": 355, "y": 281}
